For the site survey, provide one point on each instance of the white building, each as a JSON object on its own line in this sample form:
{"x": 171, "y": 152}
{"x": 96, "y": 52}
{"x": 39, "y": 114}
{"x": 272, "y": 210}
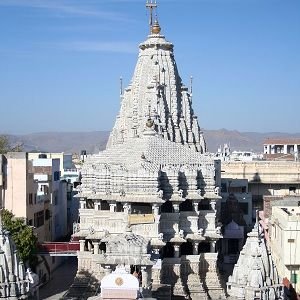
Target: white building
{"x": 284, "y": 226}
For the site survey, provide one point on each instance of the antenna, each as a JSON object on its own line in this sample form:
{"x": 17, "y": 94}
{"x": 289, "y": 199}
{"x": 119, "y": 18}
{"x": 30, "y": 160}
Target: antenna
{"x": 151, "y": 4}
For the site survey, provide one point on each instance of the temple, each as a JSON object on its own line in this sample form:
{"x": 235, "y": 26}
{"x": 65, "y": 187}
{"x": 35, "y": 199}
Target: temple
{"x": 255, "y": 275}
{"x": 150, "y": 201}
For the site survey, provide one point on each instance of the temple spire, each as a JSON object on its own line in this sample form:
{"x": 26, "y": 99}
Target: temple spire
{"x": 151, "y": 5}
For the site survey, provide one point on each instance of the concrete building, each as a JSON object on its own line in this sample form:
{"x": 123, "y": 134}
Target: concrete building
{"x": 67, "y": 176}
{"x": 273, "y": 178}
{"x": 31, "y": 189}
{"x": 284, "y": 226}
{"x": 282, "y": 149}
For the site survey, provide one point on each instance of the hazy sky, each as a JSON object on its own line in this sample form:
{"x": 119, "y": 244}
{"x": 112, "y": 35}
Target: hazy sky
{"x": 60, "y": 61}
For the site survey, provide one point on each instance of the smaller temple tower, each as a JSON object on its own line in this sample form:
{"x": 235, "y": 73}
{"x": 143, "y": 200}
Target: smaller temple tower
{"x": 254, "y": 275}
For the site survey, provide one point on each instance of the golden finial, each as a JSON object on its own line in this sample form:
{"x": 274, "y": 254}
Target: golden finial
{"x": 151, "y": 4}
{"x": 155, "y": 28}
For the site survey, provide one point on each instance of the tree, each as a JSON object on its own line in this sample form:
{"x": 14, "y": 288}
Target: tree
{"x": 5, "y": 145}
{"x": 22, "y": 235}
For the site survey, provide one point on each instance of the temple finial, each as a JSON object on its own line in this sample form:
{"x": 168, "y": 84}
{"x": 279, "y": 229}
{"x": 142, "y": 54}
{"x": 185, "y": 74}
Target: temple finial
{"x": 151, "y": 5}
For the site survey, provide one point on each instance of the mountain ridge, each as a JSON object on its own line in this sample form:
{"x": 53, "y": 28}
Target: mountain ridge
{"x": 95, "y": 141}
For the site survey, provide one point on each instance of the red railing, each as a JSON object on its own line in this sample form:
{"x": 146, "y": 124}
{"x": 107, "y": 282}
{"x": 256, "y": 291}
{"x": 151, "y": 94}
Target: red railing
{"x": 58, "y": 247}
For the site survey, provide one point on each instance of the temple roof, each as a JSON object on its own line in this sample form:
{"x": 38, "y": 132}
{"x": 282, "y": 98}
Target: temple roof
{"x": 156, "y": 92}
{"x": 254, "y": 270}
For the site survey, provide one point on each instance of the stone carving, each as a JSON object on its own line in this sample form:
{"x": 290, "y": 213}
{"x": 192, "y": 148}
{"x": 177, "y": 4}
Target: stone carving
{"x": 160, "y": 193}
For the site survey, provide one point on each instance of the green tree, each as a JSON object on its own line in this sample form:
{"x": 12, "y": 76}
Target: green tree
{"x": 5, "y": 145}
{"x": 22, "y": 235}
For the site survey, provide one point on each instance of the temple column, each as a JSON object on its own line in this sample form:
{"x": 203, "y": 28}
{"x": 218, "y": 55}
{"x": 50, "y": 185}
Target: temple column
{"x": 213, "y": 205}
{"x": 107, "y": 270}
{"x": 81, "y": 245}
{"x": 96, "y": 247}
{"x": 213, "y": 246}
{"x": 127, "y": 208}
{"x": 145, "y": 277}
{"x": 97, "y": 205}
{"x": 195, "y": 204}
{"x": 112, "y": 207}
{"x": 176, "y": 252}
{"x": 82, "y": 203}
{"x": 155, "y": 209}
{"x": 176, "y": 208}
{"x": 195, "y": 247}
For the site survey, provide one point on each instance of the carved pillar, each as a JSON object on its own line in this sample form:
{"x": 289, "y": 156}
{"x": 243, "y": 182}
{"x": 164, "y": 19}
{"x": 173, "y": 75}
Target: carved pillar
{"x": 213, "y": 205}
{"x": 155, "y": 209}
{"x": 96, "y": 247}
{"x": 195, "y": 204}
{"x": 213, "y": 246}
{"x": 176, "y": 208}
{"x": 195, "y": 247}
{"x": 176, "y": 252}
{"x": 89, "y": 245}
{"x": 97, "y": 205}
{"x": 107, "y": 270}
{"x": 81, "y": 247}
{"x": 127, "y": 208}
{"x": 145, "y": 277}
{"x": 82, "y": 203}
{"x": 112, "y": 207}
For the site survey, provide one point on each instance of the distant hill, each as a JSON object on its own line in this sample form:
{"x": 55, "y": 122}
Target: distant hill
{"x": 93, "y": 142}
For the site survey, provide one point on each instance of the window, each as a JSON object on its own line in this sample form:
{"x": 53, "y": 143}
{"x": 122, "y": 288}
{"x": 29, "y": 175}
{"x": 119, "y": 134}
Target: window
{"x": 39, "y": 219}
{"x": 56, "y": 175}
{"x": 30, "y": 199}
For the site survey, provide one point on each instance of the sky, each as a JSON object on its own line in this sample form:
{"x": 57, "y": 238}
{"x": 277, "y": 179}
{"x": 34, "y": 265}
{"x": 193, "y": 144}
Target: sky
{"x": 61, "y": 60}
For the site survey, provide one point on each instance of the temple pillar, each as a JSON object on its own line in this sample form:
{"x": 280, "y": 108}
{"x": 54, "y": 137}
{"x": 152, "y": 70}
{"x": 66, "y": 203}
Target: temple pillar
{"x": 82, "y": 203}
{"x": 97, "y": 205}
{"x": 176, "y": 251}
{"x": 213, "y": 246}
{"x": 213, "y": 205}
{"x": 195, "y": 247}
{"x": 89, "y": 246}
{"x": 145, "y": 277}
{"x": 176, "y": 208}
{"x": 112, "y": 207}
{"x": 195, "y": 204}
{"x": 81, "y": 245}
{"x": 127, "y": 208}
{"x": 155, "y": 209}
{"x": 96, "y": 247}
{"x": 107, "y": 270}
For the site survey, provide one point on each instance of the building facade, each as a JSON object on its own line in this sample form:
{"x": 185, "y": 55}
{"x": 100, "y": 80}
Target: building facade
{"x": 284, "y": 227}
